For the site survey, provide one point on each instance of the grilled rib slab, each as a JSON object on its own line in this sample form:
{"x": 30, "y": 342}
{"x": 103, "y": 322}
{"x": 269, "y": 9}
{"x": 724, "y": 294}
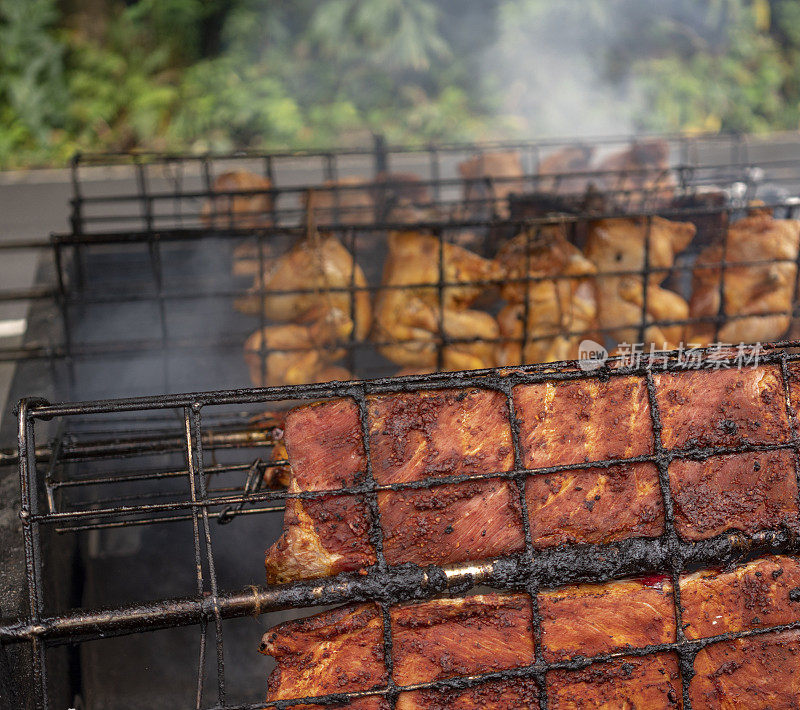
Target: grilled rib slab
{"x": 605, "y": 645}
{"x": 588, "y": 427}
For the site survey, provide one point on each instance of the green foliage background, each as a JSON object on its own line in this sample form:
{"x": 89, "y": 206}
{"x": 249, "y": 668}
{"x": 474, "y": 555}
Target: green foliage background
{"x": 223, "y": 74}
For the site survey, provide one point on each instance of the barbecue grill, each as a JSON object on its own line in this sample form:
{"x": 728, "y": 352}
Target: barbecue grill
{"x": 169, "y": 186}
{"x": 141, "y": 471}
{"x": 176, "y": 287}
{"x": 156, "y": 508}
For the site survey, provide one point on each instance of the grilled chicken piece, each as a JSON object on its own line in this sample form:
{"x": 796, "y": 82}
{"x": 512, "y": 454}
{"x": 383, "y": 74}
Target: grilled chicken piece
{"x": 412, "y": 312}
{"x": 246, "y": 211}
{"x": 641, "y": 170}
{"x": 556, "y": 306}
{"x": 492, "y": 177}
{"x": 431, "y": 640}
{"x": 296, "y": 354}
{"x": 749, "y": 290}
{"x": 618, "y": 245}
{"x": 318, "y": 318}
{"x": 315, "y": 266}
{"x": 348, "y": 200}
{"x": 564, "y": 163}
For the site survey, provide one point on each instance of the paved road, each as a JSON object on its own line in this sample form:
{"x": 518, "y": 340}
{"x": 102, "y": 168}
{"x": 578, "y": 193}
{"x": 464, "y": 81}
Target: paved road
{"x": 28, "y": 210}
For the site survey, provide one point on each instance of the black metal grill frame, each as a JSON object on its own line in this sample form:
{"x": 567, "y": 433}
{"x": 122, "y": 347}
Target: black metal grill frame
{"x": 383, "y": 584}
{"x": 376, "y": 159}
{"x": 66, "y": 251}
{"x": 71, "y": 292}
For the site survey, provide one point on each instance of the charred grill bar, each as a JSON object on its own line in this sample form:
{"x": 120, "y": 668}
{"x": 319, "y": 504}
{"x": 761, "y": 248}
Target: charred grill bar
{"x": 528, "y": 571}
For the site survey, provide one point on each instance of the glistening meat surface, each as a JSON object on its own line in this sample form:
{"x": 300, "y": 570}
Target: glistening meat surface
{"x": 624, "y": 632}
{"x": 590, "y": 428}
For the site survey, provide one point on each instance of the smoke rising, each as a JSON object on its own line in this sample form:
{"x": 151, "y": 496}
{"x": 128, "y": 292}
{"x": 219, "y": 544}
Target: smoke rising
{"x": 549, "y": 74}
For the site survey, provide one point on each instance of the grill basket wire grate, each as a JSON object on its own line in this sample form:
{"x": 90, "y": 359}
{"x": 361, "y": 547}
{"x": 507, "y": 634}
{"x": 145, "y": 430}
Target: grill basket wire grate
{"x": 104, "y": 280}
{"x": 175, "y": 181}
{"x": 384, "y": 584}
{"x": 177, "y": 316}
{"x": 77, "y": 290}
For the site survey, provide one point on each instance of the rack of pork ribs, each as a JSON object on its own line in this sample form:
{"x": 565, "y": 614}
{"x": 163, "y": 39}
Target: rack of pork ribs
{"x": 640, "y": 525}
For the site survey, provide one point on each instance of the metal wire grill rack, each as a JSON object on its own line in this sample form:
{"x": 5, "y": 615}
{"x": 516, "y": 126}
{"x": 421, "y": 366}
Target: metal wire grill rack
{"x": 156, "y": 296}
{"x": 45, "y": 473}
{"x": 169, "y": 186}
{"x": 178, "y": 291}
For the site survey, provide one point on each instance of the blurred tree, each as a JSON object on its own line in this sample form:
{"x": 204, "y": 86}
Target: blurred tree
{"x": 235, "y": 73}
{"x": 33, "y": 96}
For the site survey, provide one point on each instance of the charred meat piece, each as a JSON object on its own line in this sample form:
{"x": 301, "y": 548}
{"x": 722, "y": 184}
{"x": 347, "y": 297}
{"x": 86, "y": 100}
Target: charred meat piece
{"x": 412, "y": 437}
{"x": 433, "y": 640}
{"x": 760, "y": 671}
{"x": 760, "y": 255}
{"x": 597, "y": 619}
{"x": 441, "y": 434}
{"x": 755, "y": 671}
{"x": 489, "y": 179}
{"x": 595, "y": 505}
{"x": 458, "y": 638}
{"x": 627, "y": 682}
{"x": 747, "y": 492}
{"x": 445, "y": 638}
{"x": 579, "y": 421}
{"x": 411, "y": 322}
{"x": 730, "y": 407}
{"x": 494, "y": 695}
{"x": 323, "y": 536}
{"x": 754, "y": 595}
{"x": 561, "y": 311}
{"x": 336, "y": 651}
{"x": 250, "y": 210}
{"x": 621, "y": 245}
{"x": 733, "y": 408}
{"x": 436, "y": 434}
